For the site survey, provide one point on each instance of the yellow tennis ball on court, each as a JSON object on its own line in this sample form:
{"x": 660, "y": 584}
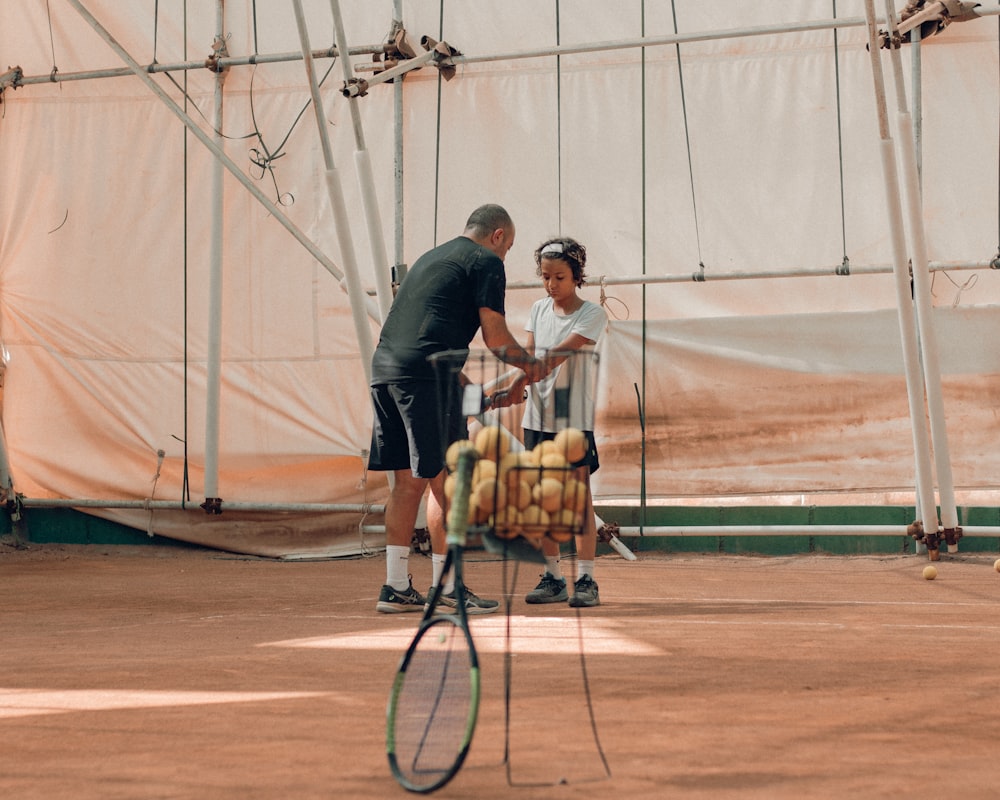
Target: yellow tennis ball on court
{"x": 930, "y": 572}
{"x": 451, "y": 454}
{"x": 492, "y": 443}
{"x": 572, "y": 443}
{"x": 996, "y": 565}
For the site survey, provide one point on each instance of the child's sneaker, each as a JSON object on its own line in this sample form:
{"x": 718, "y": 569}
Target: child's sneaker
{"x": 585, "y": 593}
{"x": 393, "y": 601}
{"x": 550, "y": 589}
{"x": 473, "y": 603}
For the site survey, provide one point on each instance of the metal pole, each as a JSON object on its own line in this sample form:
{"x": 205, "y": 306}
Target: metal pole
{"x": 213, "y": 377}
{"x": 710, "y": 277}
{"x": 904, "y": 301}
{"x": 924, "y": 304}
{"x": 399, "y": 259}
{"x": 184, "y": 66}
{"x": 193, "y": 126}
{"x": 366, "y": 180}
{"x": 333, "y": 186}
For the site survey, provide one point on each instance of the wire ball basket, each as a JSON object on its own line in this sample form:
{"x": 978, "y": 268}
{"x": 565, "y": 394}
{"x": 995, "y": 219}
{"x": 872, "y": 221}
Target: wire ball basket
{"x": 520, "y": 497}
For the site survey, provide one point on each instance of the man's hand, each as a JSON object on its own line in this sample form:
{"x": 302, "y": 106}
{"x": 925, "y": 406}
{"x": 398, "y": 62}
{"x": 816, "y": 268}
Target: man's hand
{"x": 511, "y": 395}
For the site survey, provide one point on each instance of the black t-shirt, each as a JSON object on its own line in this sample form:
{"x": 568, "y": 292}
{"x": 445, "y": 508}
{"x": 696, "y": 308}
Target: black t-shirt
{"x": 437, "y": 308}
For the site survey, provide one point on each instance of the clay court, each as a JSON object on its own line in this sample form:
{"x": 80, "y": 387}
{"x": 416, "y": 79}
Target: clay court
{"x": 176, "y": 672}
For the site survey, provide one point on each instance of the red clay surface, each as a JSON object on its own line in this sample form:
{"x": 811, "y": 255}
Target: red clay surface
{"x": 165, "y": 672}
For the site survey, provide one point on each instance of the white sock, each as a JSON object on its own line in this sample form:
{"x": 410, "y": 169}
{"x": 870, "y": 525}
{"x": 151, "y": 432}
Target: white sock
{"x": 437, "y": 567}
{"x": 397, "y": 566}
{"x": 584, "y": 568}
{"x": 552, "y": 566}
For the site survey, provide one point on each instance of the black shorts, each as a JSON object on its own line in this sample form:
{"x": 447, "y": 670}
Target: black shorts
{"x": 413, "y": 428}
{"x": 532, "y": 438}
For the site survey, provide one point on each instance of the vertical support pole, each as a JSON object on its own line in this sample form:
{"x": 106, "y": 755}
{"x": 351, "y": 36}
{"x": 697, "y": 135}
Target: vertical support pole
{"x": 399, "y": 258}
{"x": 907, "y": 323}
{"x": 335, "y": 190}
{"x": 213, "y": 377}
{"x": 366, "y": 179}
{"x": 924, "y": 304}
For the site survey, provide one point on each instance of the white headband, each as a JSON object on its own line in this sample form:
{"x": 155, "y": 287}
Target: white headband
{"x": 552, "y": 247}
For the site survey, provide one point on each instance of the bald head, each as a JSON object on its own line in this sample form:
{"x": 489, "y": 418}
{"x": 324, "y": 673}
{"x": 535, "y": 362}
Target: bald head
{"x": 491, "y": 226}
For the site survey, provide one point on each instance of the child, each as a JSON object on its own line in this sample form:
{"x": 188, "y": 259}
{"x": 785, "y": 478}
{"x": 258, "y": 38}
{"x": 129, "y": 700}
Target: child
{"x": 561, "y": 322}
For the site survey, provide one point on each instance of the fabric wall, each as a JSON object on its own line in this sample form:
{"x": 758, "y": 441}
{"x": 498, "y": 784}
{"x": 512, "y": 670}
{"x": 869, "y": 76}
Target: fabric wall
{"x": 730, "y": 155}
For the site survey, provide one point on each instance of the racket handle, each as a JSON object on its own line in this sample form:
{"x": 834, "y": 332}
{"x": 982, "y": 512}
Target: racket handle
{"x": 622, "y": 549}
{"x": 458, "y": 514}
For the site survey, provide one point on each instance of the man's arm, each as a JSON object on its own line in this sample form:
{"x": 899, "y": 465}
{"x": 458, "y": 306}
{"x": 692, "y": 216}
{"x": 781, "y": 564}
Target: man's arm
{"x": 504, "y": 346}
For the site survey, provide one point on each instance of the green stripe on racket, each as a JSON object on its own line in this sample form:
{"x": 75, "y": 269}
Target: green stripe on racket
{"x": 434, "y": 699}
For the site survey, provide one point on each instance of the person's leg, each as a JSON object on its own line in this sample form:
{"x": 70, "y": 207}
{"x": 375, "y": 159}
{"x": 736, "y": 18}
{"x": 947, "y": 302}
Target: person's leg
{"x": 585, "y": 589}
{"x": 401, "y": 510}
{"x": 436, "y": 525}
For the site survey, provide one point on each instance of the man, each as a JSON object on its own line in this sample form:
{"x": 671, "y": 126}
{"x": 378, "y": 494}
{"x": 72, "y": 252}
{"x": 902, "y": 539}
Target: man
{"x": 447, "y": 296}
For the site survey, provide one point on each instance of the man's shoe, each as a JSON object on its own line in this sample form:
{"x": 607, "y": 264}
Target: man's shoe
{"x": 585, "y": 593}
{"x": 393, "y": 601}
{"x": 473, "y": 603}
{"x": 549, "y": 590}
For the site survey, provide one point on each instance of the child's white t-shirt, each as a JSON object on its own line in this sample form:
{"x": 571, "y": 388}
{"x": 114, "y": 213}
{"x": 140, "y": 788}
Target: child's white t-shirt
{"x": 564, "y": 397}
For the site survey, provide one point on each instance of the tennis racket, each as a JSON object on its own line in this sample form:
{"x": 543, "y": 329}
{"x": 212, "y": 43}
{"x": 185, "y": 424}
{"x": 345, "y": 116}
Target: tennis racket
{"x": 434, "y": 699}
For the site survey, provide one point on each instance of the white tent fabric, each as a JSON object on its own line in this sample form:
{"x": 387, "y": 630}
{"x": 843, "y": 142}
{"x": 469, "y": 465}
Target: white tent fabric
{"x": 721, "y": 156}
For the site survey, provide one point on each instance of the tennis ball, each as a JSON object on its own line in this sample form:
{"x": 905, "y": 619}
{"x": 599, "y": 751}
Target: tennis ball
{"x": 490, "y": 495}
{"x": 492, "y": 443}
{"x": 451, "y": 454}
{"x": 548, "y": 494}
{"x": 996, "y": 565}
{"x": 484, "y": 470}
{"x": 506, "y": 522}
{"x": 572, "y": 443}
{"x": 520, "y": 496}
{"x": 449, "y": 486}
{"x": 930, "y": 572}
{"x": 554, "y": 465}
{"x": 528, "y": 468}
{"x": 534, "y": 516}
{"x": 508, "y": 462}
{"x": 543, "y": 448}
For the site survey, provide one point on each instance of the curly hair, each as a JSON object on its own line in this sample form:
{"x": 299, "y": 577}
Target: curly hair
{"x": 565, "y": 249}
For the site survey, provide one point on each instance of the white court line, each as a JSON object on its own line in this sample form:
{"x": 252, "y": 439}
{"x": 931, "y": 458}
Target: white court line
{"x": 29, "y": 702}
{"x": 693, "y": 601}
{"x": 554, "y": 635}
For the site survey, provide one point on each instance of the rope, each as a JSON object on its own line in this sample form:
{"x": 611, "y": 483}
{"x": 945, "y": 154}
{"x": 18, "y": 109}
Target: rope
{"x": 52, "y": 43}
{"x": 687, "y": 136}
{"x": 559, "y": 214}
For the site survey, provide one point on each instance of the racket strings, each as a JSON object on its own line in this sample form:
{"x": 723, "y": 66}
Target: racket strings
{"x": 434, "y": 706}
